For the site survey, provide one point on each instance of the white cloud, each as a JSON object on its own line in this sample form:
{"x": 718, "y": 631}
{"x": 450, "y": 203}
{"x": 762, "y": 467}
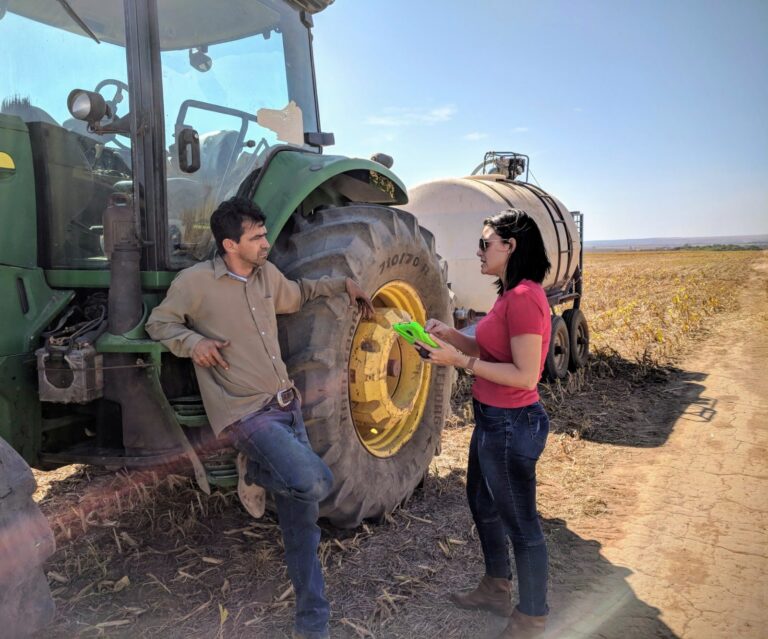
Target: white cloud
{"x": 520, "y": 129}
{"x": 475, "y": 135}
{"x": 403, "y": 116}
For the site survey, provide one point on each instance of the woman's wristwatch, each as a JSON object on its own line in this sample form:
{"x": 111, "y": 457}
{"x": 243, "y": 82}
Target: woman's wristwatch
{"x": 470, "y": 364}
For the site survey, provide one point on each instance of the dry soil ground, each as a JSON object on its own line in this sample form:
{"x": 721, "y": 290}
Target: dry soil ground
{"x": 653, "y": 496}
{"x": 696, "y": 536}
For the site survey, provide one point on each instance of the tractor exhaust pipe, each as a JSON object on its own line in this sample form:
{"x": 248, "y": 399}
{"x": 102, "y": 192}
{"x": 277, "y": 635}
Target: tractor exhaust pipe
{"x": 125, "y": 304}
{"x": 144, "y": 409}
{"x": 123, "y": 248}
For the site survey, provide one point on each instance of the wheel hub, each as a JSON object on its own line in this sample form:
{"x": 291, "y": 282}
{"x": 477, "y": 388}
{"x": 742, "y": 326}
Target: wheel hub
{"x": 388, "y": 381}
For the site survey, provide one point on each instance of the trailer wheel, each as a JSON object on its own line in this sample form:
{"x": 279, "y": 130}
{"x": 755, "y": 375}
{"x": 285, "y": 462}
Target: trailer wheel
{"x": 374, "y": 410}
{"x": 556, "y": 364}
{"x": 578, "y": 333}
{"x": 26, "y": 541}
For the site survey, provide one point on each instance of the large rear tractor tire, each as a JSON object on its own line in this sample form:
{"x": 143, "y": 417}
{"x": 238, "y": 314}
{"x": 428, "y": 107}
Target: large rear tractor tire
{"x": 26, "y": 541}
{"x": 374, "y": 409}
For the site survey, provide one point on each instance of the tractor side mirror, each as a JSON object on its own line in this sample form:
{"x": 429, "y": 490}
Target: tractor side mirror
{"x": 188, "y": 145}
{"x": 319, "y": 139}
{"x": 199, "y": 59}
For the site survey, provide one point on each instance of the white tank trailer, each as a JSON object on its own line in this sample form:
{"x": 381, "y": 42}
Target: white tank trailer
{"x": 454, "y": 209}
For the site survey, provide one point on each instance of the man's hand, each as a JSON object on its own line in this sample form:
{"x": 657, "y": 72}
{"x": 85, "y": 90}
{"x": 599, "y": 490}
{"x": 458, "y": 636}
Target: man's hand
{"x": 357, "y": 296}
{"x": 206, "y": 353}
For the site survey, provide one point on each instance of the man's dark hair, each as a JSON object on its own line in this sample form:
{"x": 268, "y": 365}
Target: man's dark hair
{"x": 227, "y": 220}
{"x": 529, "y": 260}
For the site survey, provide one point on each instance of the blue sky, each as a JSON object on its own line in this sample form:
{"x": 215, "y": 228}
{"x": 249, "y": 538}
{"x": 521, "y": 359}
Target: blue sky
{"x": 650, "y": 117}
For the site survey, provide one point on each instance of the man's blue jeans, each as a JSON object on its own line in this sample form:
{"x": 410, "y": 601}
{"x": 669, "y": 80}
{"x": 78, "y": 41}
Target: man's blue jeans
{"x": 501, "y": 489}
{"x": 282, "y": 461}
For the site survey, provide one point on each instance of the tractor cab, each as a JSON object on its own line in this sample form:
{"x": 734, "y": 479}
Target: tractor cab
{"x": 162, "y": 107}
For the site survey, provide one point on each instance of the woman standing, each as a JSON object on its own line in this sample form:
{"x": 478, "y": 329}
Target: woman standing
{"x": 507, "y": 357}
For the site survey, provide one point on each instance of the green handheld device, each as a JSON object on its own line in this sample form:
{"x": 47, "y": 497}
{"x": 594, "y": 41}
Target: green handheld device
{"x": 412, "y": 331}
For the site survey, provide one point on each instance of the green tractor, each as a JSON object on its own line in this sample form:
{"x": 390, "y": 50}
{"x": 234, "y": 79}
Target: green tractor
{"x": 120, "y": 131}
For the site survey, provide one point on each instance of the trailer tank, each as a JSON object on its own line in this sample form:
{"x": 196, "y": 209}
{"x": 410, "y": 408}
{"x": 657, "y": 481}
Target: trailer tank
{"x": 454, "y": 210}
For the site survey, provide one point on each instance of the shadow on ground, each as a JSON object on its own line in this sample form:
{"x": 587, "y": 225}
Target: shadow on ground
{"x": 621, "y": 402}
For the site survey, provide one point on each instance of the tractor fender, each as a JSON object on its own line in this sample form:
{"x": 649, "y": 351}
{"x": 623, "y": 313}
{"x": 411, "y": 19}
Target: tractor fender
{"x": 290, "y": 176}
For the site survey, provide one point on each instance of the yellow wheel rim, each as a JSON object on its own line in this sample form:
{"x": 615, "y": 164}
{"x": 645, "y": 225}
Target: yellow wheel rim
{"x": 388, "y": 381}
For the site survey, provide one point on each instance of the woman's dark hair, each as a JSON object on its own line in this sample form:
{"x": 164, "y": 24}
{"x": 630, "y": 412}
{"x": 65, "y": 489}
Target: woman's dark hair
{"x": 529, "y": 260}
{"x": 227, "y": 220}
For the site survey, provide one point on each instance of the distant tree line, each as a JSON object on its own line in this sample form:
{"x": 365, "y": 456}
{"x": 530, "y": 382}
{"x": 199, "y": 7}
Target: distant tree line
{"x": 685, "y": 247}
{"x": 720, "y": 247}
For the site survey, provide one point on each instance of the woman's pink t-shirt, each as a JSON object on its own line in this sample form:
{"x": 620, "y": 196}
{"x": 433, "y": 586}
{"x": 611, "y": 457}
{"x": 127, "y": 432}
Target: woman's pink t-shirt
{"x": 522, "y": 310}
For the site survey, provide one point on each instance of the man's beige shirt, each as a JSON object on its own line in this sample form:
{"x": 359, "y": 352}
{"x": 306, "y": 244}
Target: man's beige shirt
{"x": 204, "y": 301}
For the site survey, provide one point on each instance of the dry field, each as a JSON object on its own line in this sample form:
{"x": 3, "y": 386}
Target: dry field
{"x": 143, "y": 555}
{"x": 646, "y": 306}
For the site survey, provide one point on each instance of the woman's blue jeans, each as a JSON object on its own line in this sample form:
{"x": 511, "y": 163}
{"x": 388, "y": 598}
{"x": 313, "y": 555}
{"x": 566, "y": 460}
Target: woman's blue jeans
{"x": 501, "y": 489}
{"x": 281, "y": 460}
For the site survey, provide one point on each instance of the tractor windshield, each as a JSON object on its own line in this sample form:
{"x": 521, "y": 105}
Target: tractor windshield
{"x": 45, "y": 54}
{"x": 240, "y": 74}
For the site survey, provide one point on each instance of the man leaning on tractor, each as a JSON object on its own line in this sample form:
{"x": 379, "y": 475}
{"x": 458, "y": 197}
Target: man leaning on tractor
{"x": 222, "y": 314}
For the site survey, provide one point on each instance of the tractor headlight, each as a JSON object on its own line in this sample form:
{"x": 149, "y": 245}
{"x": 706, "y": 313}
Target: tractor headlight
{"x": 88, "y": 106}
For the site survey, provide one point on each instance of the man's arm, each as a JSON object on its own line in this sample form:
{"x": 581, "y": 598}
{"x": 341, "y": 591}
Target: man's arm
{"x": 168, "y": 322}
{"x": 290, "y": 295}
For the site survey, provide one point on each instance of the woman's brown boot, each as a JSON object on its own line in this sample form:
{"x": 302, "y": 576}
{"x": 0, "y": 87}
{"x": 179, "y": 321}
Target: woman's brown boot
{"x": 523, "y": 626}
{"x": 492, "y": 594}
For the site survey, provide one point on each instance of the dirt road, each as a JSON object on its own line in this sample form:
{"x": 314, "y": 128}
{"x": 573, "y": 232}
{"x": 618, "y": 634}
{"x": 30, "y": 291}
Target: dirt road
{"x": 690, "y": 558}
